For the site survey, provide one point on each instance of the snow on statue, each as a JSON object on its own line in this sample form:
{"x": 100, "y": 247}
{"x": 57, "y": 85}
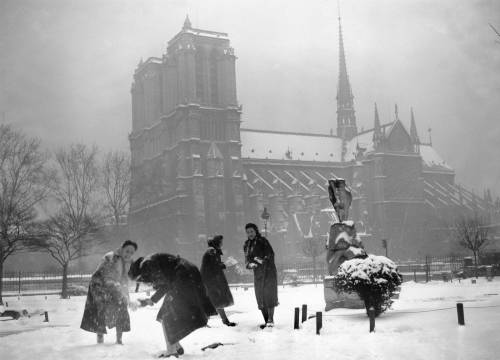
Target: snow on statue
{"x": 347, "y": 259}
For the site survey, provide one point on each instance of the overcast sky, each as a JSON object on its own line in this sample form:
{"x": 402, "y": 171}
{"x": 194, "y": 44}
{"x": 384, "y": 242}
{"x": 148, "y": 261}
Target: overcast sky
{"x": 66, "y": 67}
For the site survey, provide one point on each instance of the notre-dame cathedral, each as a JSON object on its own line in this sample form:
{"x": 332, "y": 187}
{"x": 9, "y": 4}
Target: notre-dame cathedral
{"x": 196, "y": 172}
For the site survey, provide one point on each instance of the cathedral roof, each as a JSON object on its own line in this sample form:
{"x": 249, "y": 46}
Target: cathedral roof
{"x": 431, "y": 158}
{"x": 276, "y": 145}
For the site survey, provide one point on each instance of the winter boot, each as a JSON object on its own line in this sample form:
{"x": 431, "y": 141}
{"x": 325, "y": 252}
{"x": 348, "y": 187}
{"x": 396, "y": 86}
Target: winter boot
{"x": 180, "y": 349}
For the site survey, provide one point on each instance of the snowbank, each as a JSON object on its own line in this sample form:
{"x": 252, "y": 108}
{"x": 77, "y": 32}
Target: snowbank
{"x": 415, "y": 328}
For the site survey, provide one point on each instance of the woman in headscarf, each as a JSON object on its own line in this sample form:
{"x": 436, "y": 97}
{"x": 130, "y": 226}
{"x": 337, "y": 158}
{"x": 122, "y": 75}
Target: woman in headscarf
{"x": 186, "y": 306}
{"x": 212, "y": 273}
{"x": 108, "y": 297}
{"x": 259, "y": 256}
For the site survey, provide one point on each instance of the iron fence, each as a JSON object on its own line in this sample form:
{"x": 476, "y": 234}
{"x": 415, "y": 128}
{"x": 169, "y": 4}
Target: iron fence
{"x": 28, "y": 283}
{"x": 427, "y": 269}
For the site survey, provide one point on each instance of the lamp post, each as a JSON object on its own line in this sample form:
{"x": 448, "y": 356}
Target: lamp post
{"x": 384, "y": 245}
{"x": 265, "y": 216}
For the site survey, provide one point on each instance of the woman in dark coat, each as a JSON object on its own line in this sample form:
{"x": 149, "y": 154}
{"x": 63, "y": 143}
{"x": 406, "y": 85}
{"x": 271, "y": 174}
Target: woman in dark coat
{"x": 186, "y": 306}
{"x": 212, "y": 274}
{"x": 259, "y": 256}
{"x": 107, "y": 298}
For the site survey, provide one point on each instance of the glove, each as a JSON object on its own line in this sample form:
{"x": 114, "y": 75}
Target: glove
{"x": 258, "y": 260}
{"x": 252, "y": 265}
{"x": 145, "y": 302}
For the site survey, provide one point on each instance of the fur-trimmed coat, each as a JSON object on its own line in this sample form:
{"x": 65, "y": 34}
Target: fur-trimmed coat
{"x": 265, "y": 274}
{"x": 107, "y": 297}
{"x": 212, "y": 274}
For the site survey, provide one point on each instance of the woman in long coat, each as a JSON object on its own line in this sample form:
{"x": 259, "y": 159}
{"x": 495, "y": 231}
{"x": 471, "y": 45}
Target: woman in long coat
{"x": 212, "y": 274}
{"x": 107, "y": 297}
{"x": 186, "y": 306}
{"x": 259, "y": 256}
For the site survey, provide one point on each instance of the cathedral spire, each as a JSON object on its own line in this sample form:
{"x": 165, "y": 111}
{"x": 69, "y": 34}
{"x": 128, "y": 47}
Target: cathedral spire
{"x": 346, "y": 119}
{"x": 377, "y": 130}
{"x": 187, "y": 23}
{"x": 413, "y": 130}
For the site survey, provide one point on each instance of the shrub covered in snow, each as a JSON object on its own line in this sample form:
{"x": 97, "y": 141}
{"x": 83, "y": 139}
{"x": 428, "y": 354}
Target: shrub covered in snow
{"x": 374, "y": 278}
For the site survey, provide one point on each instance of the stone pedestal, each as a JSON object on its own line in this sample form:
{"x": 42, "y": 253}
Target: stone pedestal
{"x": 335, "y": 300}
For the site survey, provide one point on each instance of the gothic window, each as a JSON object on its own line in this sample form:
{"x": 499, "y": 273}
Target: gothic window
{"x": 212, "y": 128}
{"x": 214, "y": 95}
{"x": 200, "y": 95}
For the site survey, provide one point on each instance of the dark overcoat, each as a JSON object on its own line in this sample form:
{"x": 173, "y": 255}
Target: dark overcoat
{"x": 212, "y": 274}
{"x": 107, "y": 297}
{"x": 186, "y": 306}
{"x": 265, "y": 274}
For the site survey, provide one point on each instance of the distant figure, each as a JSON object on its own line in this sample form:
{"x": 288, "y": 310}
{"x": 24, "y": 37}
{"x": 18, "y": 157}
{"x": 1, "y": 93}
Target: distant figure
{"x": 212, "y": 273}
{"x": 107, "y": 298}
{"x": 259, "y": 256}
{"x": 186, "y": 306}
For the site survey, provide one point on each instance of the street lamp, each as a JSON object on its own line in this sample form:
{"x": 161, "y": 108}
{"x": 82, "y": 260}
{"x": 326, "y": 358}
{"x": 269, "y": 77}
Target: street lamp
{"x": 265, "y": 216}
{"x": 384, "y": 245}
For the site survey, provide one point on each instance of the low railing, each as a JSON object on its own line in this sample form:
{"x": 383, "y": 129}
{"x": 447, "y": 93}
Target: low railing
{"x": 430, "y": 268}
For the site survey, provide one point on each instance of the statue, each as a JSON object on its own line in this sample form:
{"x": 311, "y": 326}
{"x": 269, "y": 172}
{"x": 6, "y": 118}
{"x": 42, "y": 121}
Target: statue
{"x": 342, "y": 244}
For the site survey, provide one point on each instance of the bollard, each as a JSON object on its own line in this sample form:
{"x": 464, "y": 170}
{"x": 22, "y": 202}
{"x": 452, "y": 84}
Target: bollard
{"x": 304, "y": 312}
{"x": 296, "y": 319}
{"x": 319, "y": 321}
{"x": 371, "y": 314}
{"x": 46, "y": 313}
{"x": 460, "y": 314}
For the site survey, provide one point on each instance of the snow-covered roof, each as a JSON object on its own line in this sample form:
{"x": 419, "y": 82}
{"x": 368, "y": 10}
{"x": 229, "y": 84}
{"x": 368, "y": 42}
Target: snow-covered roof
{"x": 258, "y": 144}
{"x": 364, "y": 140}
{"x": 431, "y": 158}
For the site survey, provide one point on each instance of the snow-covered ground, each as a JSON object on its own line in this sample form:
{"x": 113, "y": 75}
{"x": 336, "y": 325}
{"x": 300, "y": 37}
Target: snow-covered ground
{"x": 421, "y": 325}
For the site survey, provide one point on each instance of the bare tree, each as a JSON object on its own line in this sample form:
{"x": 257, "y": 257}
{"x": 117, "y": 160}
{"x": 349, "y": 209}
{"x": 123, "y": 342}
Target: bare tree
{"x": 313, "y": 247}
{"x": 69, "y": 234}
{"x": 313, "y": 244}
{"x": 24, "y": 183}
{"x": 472, "y": 234}
{"x": 116, "y": 183}
{"x": 496, "y": 32}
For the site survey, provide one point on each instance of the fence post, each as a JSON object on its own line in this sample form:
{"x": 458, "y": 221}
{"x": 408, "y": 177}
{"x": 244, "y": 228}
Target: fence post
{"x": 415, "y": 275}
{"x": 319, "y": 321}
{"x": 46, "y": 313}
{"x": 460, "y": 314}
{"x": 304, "y": 312}
{"x": 296, "y": 319}
{"x": 19, "y": 284}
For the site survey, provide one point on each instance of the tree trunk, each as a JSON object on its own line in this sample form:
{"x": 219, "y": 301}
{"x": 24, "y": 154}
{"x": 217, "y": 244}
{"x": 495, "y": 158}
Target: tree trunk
{"x": 117, "y": 218}
{"x": 64, "y": 291}
{"x": 475, "y": 262}
{"x": 1, "y": 280}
